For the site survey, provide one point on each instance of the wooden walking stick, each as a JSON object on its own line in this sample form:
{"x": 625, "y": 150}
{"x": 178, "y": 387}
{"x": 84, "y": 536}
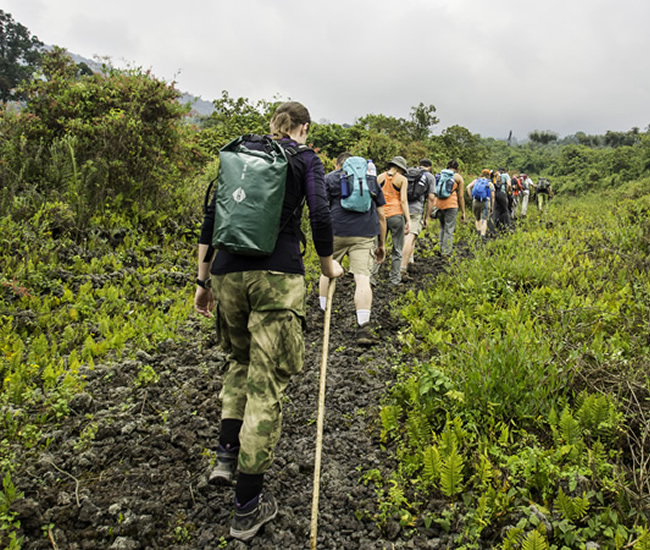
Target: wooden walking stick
{"x": 321, "y": 413}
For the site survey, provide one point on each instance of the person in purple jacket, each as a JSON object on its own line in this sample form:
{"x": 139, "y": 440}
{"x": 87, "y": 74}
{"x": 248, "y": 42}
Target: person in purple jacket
{"x": 260, "y": 310}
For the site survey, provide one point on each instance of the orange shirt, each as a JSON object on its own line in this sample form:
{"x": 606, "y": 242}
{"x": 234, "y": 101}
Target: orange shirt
{"x": 451, "y": 201}
{"x": 392, "y": 195}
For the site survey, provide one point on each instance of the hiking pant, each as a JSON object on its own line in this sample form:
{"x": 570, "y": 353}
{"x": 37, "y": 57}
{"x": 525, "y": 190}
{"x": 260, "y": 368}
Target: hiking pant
{"x": 501, "y": 211}
{"x": 524, "y": 203}
{"x": 447, "y": 219}
{"x": 394, "y": 226}
{"x": 259, "y": 322}
{"x": 542, "y": 201}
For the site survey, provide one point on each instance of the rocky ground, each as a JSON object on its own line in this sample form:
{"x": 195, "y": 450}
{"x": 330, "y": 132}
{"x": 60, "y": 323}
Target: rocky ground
{"x": 128, "y": 468}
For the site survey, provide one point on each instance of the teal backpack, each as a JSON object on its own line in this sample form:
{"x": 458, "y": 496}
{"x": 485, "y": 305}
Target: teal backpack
{"x": 445, "y": 185}
{"x": 355, "y": 193}
{"x": 250, "y": 195}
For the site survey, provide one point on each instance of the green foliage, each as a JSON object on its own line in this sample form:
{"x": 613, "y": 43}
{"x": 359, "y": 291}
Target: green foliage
{"x": 19, "y": 56}
{"x": 232, "y": 118}
{"x": 532, "y": 348}
{"x": 542, "y": 137}
{"x": 68, "y": 307}
{"x": 460, "y": 144}
{"x": 8, "y": 522}
{"x": 113, "y": 138}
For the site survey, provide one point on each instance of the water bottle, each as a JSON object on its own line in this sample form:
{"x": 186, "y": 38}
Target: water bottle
{"x": 372, "y": 169}
{"x": 345, "y": 186}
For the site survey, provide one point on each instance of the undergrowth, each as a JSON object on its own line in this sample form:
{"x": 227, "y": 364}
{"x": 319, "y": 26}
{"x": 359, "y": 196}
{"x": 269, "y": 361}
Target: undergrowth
{"x": 524, "y": 411}
{"x": 66, "y": 304}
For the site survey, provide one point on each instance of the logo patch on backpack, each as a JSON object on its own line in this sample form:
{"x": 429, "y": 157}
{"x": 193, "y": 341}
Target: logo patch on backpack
{"x": 355, "y": 193}
{"x": 239, "y": 194}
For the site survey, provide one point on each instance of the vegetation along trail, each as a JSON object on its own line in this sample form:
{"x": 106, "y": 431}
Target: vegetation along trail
{"x": 505, "y": 404}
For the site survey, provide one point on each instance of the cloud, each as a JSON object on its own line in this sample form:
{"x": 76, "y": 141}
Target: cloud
{"x": 562, "y": 65}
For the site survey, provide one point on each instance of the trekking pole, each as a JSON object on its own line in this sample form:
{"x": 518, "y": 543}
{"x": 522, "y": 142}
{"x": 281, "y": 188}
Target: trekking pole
{"x": 321, "y": 413}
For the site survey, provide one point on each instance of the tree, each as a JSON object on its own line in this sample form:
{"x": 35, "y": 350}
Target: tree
{"x": 395, "y": 128}
{"x": 19, "y": 55}
{"x": 233, "y": 117}
{"x": 542, "y": 137}
{"x": 424, "y": 120}
{"x": 461, "y": 144}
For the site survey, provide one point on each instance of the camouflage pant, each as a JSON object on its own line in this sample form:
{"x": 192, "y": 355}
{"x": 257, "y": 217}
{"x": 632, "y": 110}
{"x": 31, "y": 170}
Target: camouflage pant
{"x": 259, "y": 320}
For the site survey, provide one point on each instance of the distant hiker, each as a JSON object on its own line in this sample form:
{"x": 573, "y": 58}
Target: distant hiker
{"x": 398, "y": 220}
{"x": 260, "y": 307}
{"x": 420, "y": 204}
{"x": 448, "y": 201}
{"x": 481, "y": 191}
{"x": 360, "y": 236}
{"x": 515, "y": 194}
{"x": 501, "y": 214}
{"x": 526, "y": 184}
{"x": 544, "y": 193}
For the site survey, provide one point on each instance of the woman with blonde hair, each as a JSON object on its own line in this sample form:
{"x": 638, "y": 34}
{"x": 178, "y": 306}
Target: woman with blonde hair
{"x": 260, "y": 310}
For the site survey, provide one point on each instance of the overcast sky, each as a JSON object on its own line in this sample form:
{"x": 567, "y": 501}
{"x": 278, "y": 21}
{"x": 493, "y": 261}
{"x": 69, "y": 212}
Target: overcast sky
{"x": 489, "y": 65}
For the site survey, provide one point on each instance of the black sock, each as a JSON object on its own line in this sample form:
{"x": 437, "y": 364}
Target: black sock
{"x": 248, "y": 487}
{"x": 229, "y": 436}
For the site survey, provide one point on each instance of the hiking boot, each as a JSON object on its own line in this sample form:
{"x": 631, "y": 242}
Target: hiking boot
{"x": 405, "y": 276}
{"x": 226, "y": 466}
{"x": 364, "y": 336}
{"x": 252, "y": 516}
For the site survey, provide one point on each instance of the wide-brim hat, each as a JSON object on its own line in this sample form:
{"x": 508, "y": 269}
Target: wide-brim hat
{"x": 400, "y": 162}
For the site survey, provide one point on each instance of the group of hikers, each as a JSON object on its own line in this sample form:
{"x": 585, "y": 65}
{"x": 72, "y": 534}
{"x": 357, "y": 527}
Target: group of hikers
{"x": 257, "y": 297}
{"x": 498, "y": 198}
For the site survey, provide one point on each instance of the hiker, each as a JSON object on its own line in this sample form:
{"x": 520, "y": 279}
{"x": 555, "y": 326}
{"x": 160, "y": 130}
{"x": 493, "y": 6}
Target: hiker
{"x": 418, "y": 211}
{"x": 448, "y": 207}
{"x": 481, "y": 191}
{"x": 398, "y": 219}
{"x": 501, "y": 213}
{"x": 526, "y": 184}
{"x": 361, "y": 236}
{"x": 544, "y": 193}
{"x": 260, "y": 308}
{"x": 516, "y": 189}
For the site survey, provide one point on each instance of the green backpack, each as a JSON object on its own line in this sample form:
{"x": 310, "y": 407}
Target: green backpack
{"x": 250, "y": 195}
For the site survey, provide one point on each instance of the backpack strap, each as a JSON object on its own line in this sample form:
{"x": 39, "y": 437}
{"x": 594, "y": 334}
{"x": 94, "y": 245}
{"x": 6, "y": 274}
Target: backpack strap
{"x": 292, "y": 151}
{"x": 206, "y": 201}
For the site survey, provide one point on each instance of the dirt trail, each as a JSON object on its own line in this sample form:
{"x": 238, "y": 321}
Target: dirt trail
{"x": 128, "y": 469}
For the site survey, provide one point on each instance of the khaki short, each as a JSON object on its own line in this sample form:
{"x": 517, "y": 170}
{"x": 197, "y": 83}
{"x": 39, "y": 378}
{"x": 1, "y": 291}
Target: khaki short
{"x": 416, "y": 224}
{"x": 358, "y": 250}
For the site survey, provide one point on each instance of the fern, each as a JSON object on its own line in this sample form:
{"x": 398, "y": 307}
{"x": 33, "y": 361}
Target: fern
{"x": 432, "y": 464}
{"x": 535, "y": 541}
{"x": 569, "y": 427}
{"x": 451, "y": 473}
{"x": 512, "y": 540}
{"x": 484, "y": 471}
{"x": 597, "y": 413}
{"x": 571, "y": 508}
{"x": 418, "y": 428}
{"x": 448, "y": 439}
{"x": 389, "y": 415}
{"x": 643, "y": 542}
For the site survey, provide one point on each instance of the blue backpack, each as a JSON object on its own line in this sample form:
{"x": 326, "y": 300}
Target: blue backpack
{"x": 445, "y": 185}
{"x": 481, "y": 189}
{"x": 355, "y": 193}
